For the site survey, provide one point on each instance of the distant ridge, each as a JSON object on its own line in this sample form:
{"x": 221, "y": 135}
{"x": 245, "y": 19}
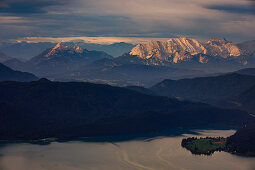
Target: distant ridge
{"x": 206, "y": 89}
{"x": 179, "y": 50}
{"x": 7, "y": 74}
{"x": 4, "y": 57}
{"x": 60, "y": 59}
{"x": 24, "y": 50}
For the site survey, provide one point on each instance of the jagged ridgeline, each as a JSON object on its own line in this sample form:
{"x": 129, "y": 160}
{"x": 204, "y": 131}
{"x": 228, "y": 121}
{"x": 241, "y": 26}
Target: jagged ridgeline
{"x": 179, "y": 50}
{"x": 146, "y": 64}
{"x": 60, "y": 59}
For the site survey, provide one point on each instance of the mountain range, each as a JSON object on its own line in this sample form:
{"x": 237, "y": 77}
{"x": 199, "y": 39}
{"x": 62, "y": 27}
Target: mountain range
{"x": 147, "y": 64}
{"x": 243, "y": 101}
{"x": 144, "y": 65}
{"x": 4, "y": 57}
{"x": 7, "y": 74}
{"x": 59, "y": 59}
{"x": 25, "y": 50}
{"x": 187, "y": 50}
{"x": 41, "y": 109}
{"x": 38, "y": 109}
{"x": 206, "y": 89}
{"x": 126, "y": 70}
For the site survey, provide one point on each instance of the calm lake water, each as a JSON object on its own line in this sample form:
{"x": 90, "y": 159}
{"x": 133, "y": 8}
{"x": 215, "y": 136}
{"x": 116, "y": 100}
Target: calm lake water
{"x": 156, "y": 154}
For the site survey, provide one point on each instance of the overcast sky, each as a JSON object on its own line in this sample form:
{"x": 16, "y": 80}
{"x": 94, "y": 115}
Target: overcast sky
{"x": 202, "y": 19}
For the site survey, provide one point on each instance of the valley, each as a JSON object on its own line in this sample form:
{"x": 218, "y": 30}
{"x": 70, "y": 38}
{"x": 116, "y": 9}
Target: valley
{"x": 137, "y": 84}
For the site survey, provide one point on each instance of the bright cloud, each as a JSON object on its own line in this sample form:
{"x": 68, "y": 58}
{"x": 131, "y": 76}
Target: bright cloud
{"x": 105, "y": 19}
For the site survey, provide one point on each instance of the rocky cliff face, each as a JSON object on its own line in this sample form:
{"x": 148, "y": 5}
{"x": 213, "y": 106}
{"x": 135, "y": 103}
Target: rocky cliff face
{"x": 177, "y": 50}
{"x": 62, "y": 59}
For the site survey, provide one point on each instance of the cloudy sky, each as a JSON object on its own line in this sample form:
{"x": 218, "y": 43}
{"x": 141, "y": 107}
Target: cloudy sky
{"x": 128, "y": 20}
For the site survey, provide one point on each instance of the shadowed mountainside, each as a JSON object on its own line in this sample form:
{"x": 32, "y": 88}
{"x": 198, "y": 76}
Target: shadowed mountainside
{"x": 244, "y": 101}
{"x": 206, "y": 89}
{"x": 43, "y": 108}
{"x": 247, "y": 71}
{"x": 24, "y": 50}
{"x": 7, "y": 74}
{"x": 127, "y": 70}
{"x": 4, "y": 57}
{"x": 242, "y": 142}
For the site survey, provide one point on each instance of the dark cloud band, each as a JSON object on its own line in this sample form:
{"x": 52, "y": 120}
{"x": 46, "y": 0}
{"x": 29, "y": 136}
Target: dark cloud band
{"x": 239, "y": 9}
{"x": 27, "y": 6}
{"x": 122, "y": 18}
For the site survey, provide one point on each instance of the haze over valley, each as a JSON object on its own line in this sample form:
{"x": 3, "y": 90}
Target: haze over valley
{"x": 138, "y": 84}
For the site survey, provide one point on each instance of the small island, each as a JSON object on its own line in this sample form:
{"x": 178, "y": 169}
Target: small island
{"x": 204, "y": 146}
{"x": 241, "y": 143}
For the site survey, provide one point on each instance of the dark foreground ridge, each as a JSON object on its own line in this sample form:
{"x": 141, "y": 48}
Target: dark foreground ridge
{"x": 243, "y": 141}
{"x": 44, "y": 109}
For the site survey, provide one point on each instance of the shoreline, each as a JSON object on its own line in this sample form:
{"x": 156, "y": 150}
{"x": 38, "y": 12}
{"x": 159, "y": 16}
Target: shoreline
{"x": 120, "y": 138}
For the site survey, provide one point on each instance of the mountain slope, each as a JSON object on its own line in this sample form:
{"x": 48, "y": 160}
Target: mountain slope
{"x": 15, "y": 64}
{"x": 247, "y": 71}
{"x": 4, "y": 57}
{"x": 127, "y": 70}
{"x": 7, "y": 74}
{"x": 42, "y": 109}
{"x": 182, "y": 50}
{"x": 244, "y": 101}
{"x": 115, "y": 49}
{"x": 62, "y": 59}
{"x": 206, "y": 89}
{"x": 242, "y": 142}
{"x": 24, "y": 50}
{"x": 248, "y": 47}
{"x": 141, "y": 89}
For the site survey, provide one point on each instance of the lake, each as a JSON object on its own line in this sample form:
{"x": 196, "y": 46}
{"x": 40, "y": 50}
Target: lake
{"x": 154, "y": 154}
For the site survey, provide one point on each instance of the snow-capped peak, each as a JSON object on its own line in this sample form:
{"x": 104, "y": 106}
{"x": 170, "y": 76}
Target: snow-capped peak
{"x": 59, "y": 46}
{"x": 77, "y": 48}
{"x": 177, "y": 50}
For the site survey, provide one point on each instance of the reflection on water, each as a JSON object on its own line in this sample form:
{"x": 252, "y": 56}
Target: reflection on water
{"x": 160, "y": 153}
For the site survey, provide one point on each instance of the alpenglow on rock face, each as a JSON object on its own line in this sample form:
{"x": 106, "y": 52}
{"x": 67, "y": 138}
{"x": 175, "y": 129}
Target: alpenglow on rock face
{"x": 177, "y": 50}
{"x": 62, "y": 59}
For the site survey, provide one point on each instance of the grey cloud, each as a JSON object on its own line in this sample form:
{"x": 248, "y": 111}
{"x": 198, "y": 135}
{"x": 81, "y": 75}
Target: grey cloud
{"x": 240, "y": 9}
{"x": 27, "y": 6}
{"x": 133, "y": 18}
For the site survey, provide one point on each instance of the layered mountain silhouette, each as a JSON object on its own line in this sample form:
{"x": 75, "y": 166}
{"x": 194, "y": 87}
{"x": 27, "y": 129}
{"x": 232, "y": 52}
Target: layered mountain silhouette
{"x": 62, "y": 59}
{"x": 174, "y": 59}
{"x": 24, "y": 50}
{"x": 7, "y": 74}
{"x": 59, "y": 59}
{"x": 127, "y": 70}
{"x": 15, "y": 64}
{"x": 247, "y": 71}
{"x": 4, "y": 57}
{"x": 40, "y": 109}
{"x": 206, "y": 89}
{"x": 144, "y": 65}
{"x": 244, "y": 101}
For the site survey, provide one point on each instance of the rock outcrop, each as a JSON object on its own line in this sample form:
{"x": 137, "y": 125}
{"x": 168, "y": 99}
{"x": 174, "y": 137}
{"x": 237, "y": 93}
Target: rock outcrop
{"x": 177, "y": 50}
